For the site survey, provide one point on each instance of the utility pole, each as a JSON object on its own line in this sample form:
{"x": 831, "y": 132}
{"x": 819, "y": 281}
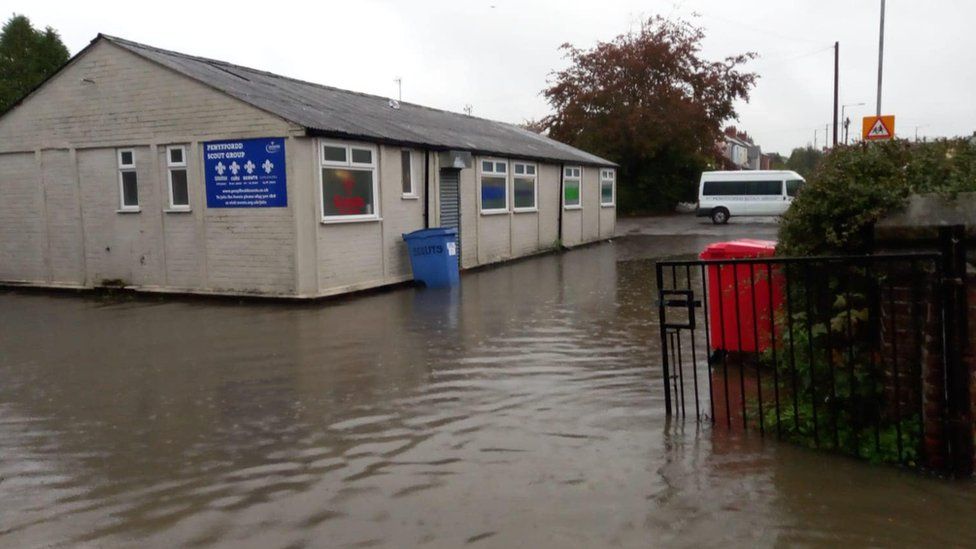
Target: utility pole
{"x": 846, "y": 120}
{"x": 399, "y": 83}
{"x": 880, "y": 55}
{"x": 815, "y": 139}
{"x": 836, "y": 86}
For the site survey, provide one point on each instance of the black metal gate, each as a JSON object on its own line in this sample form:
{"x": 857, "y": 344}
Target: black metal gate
{"x": 858, "y": 354}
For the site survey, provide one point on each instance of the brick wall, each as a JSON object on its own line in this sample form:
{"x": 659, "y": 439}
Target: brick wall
{"x": 969, "y": 358}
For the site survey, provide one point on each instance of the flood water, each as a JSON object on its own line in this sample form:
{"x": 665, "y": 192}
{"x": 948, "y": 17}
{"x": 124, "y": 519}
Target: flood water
{"x": 525, "y": 410}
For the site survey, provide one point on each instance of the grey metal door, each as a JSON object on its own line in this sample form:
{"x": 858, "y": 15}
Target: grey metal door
{"x": 451, "y": 201}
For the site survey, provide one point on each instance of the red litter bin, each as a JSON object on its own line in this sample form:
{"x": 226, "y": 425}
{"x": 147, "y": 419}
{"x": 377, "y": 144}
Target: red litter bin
{"x": 735, "y": 323}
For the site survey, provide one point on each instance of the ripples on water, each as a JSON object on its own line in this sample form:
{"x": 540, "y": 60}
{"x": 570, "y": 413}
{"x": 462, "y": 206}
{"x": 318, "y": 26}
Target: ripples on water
{"x": 524, "y": 410}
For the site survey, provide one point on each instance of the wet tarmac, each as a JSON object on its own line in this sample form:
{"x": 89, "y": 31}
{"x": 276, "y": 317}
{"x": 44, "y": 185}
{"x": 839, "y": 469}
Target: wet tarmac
{"x": 524, "y": 410}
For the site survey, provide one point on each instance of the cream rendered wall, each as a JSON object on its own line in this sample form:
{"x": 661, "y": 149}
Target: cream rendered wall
{"x": 71, "y": 128}
{"x": 364, "y": 254}
{"x": 494, "y": 229}
{"x": 502, "y": 236}
{"x": 401, "y": 214}
{"x": 525, "y": 233}
{"x": 608, "y": 216}
{"x": 549, "y": 205}
{"x": 590, "y": 193}
{"x": 470, "y": 217}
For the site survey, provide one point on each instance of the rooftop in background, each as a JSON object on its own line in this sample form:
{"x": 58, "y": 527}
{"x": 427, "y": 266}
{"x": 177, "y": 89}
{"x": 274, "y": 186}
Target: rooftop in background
{"x": 333, "y": 112}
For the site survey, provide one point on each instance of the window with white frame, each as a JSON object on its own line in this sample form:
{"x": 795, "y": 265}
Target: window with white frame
{"x": 494, "y": 186}
{"x": 608, "y": 178}
{"x": 128, "y": 180}
{"x": 179, "y": 191}
{"x": 572, "y": 177}
{"x": 524, "y": 187}
{"x": 407, "y": 175}
{"x": 348, "y": 182}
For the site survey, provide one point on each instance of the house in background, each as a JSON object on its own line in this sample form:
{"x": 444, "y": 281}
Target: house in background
{"x": 161, "y": 171}
{"x": 739, "y": 151}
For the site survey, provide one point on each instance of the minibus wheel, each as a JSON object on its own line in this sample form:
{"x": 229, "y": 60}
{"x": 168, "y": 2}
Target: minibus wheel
{"x": 720, "y": 216}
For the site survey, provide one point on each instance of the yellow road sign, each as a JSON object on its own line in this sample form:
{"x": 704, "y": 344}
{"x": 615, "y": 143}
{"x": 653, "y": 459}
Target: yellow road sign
{"x": 878, "y": 128}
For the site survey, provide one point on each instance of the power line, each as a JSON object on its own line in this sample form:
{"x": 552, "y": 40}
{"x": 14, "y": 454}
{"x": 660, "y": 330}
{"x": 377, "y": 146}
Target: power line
{"x": 762, "y": 30}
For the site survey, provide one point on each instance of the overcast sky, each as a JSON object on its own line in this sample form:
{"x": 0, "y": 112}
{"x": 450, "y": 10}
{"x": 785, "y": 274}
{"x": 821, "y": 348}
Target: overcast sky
{"x": 496, "y": 55}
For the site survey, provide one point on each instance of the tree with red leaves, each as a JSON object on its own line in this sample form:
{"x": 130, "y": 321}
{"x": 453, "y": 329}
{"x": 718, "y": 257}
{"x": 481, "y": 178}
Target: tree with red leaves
{"x": 648, "y": 101}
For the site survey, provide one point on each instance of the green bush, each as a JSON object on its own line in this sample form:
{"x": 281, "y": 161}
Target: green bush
{"x": 857, "y": 185}
{"x": 836, "y": 380}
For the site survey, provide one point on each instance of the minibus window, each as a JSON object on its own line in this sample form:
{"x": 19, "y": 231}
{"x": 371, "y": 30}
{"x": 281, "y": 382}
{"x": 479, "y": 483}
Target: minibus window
{"x": 723, "y": 188}
{"x": 765, "y": 188}
{"x": 793, "y": 186}
{"x": 743, "y": 188}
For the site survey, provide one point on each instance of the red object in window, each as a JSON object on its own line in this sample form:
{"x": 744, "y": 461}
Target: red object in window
{"x": 739, "y": 314}
{"x": 349, "y": 205}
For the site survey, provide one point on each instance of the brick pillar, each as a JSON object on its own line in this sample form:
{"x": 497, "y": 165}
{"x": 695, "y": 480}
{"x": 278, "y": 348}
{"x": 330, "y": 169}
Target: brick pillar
{"x": 969, "y": 358}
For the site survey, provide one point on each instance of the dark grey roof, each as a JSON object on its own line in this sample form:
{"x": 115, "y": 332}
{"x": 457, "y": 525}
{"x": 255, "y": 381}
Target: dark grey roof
{"x": 332, "y": 111}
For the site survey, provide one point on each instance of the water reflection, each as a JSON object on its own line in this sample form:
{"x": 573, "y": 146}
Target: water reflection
{"x": 524, "y": 409}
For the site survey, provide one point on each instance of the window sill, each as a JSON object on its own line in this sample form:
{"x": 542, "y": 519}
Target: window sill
{"x": 526, "y": 210}
{"x": 356, "y": 219}
{"x": 494, "y": 212}
{"x": 572, "y": 207}
{"x": 178, "y": 210}
{"x": 409, "y": 197}
{"x": 608, "y": 205}
{"x": 128, "y": 210}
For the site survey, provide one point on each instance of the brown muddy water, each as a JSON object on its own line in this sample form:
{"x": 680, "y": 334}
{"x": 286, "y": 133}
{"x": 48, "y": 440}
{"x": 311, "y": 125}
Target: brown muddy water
{"x": 525, "y": 410}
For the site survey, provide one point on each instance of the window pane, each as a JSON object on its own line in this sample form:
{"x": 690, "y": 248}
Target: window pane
{"x": 493, "y": 193}
{"x": 406, "y": 172}
{"x": 130, "y": 189}
{"x": 724, "y": 188}
{"x": 606, "y": 192}
{"x": 530, "y": 170}
{"x": 572, "y": 193}
{"x": 362, "y": 156}
{"x": 793, "y": 186}
{"x": 125, "y": 158}
{"x": 500, "y": 167}
{"x": 176, "y": 156}
{"x": 334, "y": 154}
{"x": 347, "y": 192}
{"x": 520, "y": 168}
{"x": 524, "y": 192}
{"x": 763, "y": 188}
{"x": 181, "y": 195}
{"x": 486, "y": 166}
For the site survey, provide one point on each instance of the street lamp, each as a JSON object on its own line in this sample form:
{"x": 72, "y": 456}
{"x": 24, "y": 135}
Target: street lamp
{"x": 847, "y": 122}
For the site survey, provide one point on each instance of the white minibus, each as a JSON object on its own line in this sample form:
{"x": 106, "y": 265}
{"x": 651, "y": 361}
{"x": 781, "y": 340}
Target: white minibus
{"x": 722, "y": 195}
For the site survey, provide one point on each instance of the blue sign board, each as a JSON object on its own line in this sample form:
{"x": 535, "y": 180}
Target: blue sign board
{"x": 246, "y": 173}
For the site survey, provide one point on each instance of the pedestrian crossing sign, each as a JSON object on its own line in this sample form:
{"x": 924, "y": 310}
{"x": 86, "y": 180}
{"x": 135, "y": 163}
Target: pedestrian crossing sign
{"x": 878, "y": 128}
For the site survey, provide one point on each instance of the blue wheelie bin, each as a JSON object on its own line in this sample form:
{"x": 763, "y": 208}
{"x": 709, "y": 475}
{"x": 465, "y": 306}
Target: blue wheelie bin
{"x": 433, "y": 256}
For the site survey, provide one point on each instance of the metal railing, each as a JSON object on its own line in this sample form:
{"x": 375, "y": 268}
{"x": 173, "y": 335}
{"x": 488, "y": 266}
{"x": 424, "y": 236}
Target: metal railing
{"x": 841, "y": 352}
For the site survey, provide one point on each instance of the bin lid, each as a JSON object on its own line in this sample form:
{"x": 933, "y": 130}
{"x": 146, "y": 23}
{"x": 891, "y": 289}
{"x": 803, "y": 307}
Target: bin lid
{"x": 739, "y": 249}
{"x": 431, "y": 232}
